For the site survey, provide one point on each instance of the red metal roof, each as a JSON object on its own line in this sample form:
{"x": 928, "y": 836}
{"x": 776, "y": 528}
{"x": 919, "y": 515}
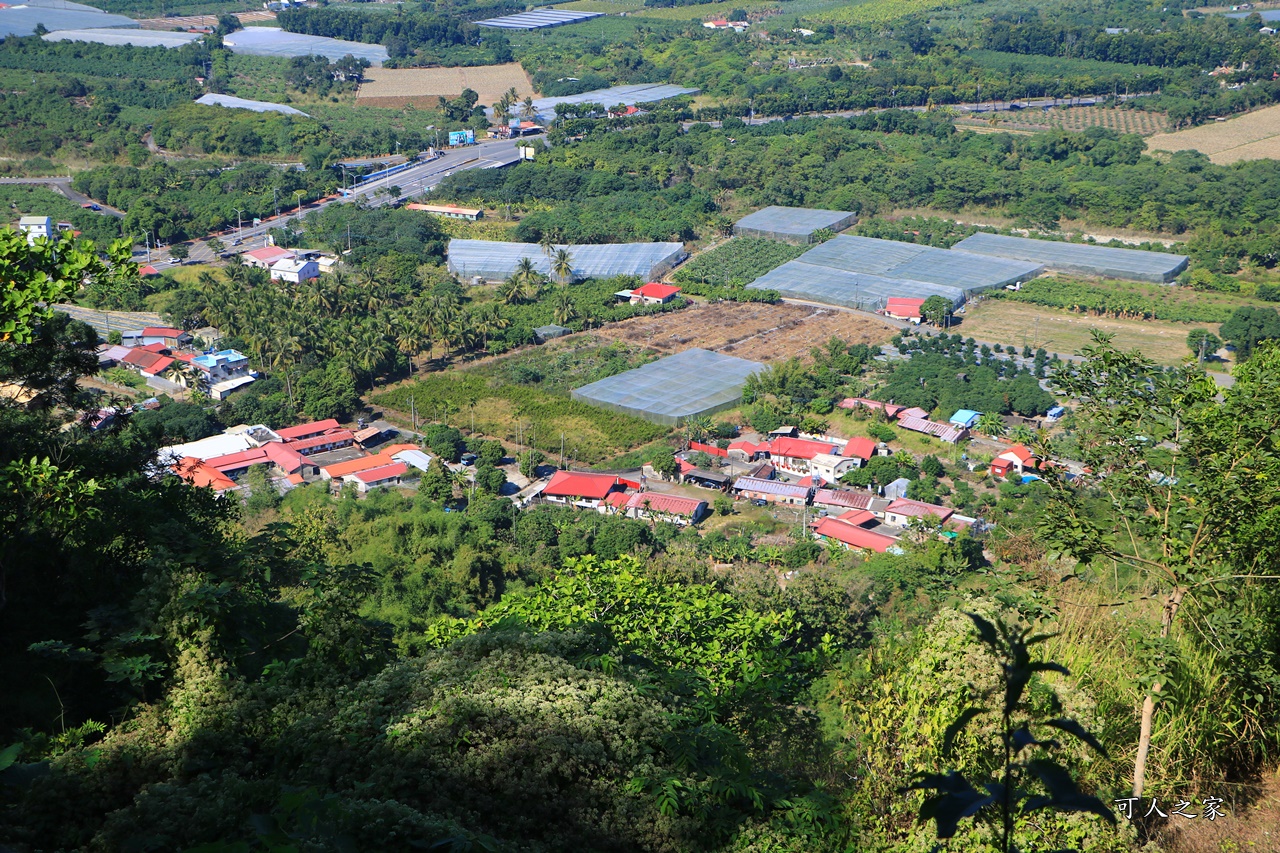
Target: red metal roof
{"x": 148, "y": 270}
{"x": 301, "y": 444}
{"x": 616, "y": 499}
{"x": 840, "y": 497}
{"x": 853, "y": 535}
{"x": 147, "y": 360}
{"x": 198, "y": 473}
{"x": 238, "y": 460}
{"x": 385, "y": 472}
{"x": 915, "y": 509}
{"x": 307, "y": 430}
{"x": 581, "y": 484}
{"x": 351, "y": 466}
{"x": 903, "y": 306}
{"x": 161, "y": 332}
{"x": 800, "y": 448}
{"x": 853, "y": 402}
{"x": 857, "y": 517}
{"x": 663, "y": 502}
{"x": 862, "y": 448}
{"x": 656, "y": 290}
{"x": 269, "y": 254}
{"x": 286, "y": 457}
{"x": 1021, "y": 452}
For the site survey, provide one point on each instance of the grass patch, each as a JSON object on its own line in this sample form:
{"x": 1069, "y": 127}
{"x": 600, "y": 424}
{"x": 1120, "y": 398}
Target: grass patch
{"x": 1066, "y": 332}
{"x": 704, "y": 10}
{"x": 526, "y": 396}
{"x": 882, "y": 11}
{"x": 737, "y": 262}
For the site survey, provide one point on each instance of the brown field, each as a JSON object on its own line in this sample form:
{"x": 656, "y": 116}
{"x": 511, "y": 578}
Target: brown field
{"x": 187, "y": 21}
{"x": 1252, "y": 136}
{"x": 999, "y": 321}
{"x": 398, "y": 87}
{"x": 1071, "y": 118}
{"x": 755, "y": 331}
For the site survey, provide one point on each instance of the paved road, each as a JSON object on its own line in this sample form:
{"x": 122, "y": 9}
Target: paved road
{"x": 62, "y": 185}
{"x": 413, "y": 181}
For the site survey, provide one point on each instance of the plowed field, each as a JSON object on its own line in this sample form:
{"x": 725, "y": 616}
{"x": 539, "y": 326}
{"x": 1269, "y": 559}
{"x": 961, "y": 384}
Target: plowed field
{"x": 398, "y": 87}
{"x": 1252, "y": 136}
{"x": 754, "y": 331}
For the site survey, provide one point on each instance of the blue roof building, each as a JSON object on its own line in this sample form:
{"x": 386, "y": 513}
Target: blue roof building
{"x": 965, "y": 418}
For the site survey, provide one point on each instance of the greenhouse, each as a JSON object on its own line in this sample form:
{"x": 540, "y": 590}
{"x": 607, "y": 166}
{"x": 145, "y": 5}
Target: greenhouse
{"x": 638, "y": 93}
{"x": 538, "y": 19}
{"x": 813, "y": 283}
{"x": 231, "y": 102}
{"x": 122, "y": 36}
{"x": 862, "y": 272}
{"x": 791, "y": 224}
{"x": 19, "y": 21}
{"x": 496, "y": 261}
{"x": 672, "y": 389}
{"x": 1104, "y": 261}
{"x": 273, "y": 41}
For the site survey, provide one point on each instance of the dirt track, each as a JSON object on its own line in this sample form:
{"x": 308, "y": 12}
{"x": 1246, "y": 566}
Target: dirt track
{"x": 754, "y": 331}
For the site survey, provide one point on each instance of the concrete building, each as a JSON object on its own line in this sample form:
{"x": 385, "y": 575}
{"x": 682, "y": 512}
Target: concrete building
{"x": 771, "y": 491}
{"x": 266, "y": 257}
{"x": 580, "y": 488}
{"x": 372, "y": 478}
{"x": 295, "y": 270}
{"x": 36, "y": 227}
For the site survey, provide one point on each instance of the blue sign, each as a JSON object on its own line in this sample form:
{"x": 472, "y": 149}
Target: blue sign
{"x": 462, "y": 137}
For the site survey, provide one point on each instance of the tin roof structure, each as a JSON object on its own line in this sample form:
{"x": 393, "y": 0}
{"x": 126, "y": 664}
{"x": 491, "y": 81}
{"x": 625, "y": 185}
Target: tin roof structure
{"x": 672, "y": 389}
{"x": 1104, "y": 261}
{"x": 538, "y": 19}
{"x": 494, "y": 260}
{"x": 792, "y": 224}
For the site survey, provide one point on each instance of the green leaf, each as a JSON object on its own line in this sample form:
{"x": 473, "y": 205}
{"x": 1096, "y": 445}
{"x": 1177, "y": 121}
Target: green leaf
{"x": 1071, "y": 727}
{"x": 9, "y": 755}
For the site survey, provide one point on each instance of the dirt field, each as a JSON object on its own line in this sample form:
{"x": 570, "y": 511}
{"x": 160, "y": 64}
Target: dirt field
{"x": 168, "y": 24}
{"x": 754, "y": 331}
{"x": 398, "y": 87}
{"x": 1004, "y": 322}
{"x": 1068, "y": 118}
{"x": 1252, "y": 136}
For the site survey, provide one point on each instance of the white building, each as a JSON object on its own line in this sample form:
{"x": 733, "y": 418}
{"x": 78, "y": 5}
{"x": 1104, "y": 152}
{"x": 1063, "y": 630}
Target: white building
{"x": 295, "y": 270}
{"x": 37, "y": 226}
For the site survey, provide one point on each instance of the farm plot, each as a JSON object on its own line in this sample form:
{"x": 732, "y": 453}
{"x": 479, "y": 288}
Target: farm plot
{"x": 1070, "y": 118}
{"x": 758, "y": 332}
{"x": 1252, "y": 136}
{"x": 738, "y": 262}
{"x": 397, "y": 88}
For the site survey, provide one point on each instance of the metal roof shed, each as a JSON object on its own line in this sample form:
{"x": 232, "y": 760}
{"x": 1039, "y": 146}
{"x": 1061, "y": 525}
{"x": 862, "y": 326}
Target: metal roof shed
{"x": 1083, "y": 259}
{"x": 792, "y": 224}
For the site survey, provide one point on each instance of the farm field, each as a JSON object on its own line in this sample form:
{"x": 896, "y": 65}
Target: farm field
{"x": 420, "y": 87}
{"x": 756, "y": 331}
{"x": 1070, "y": 118}
{"x": 737, "y": 262}
{"x": 881, "y": 11}
{"x": 1252, "y": 136}
{"x": 707, "y": 11}
{"x": 604, "y": 7}
{"x": 1005, "y": 322}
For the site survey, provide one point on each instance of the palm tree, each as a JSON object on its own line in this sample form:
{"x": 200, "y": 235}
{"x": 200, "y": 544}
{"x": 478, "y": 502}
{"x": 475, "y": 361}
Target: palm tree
{"x": 408, "y": 338}
{"x": 547, "y": 244}
{"x": 698, "y": 427}
{"x": 1022, "y": 434}
{"x": 489, "y": 319}
{"x": 562, "y": 265}
{"x": 528, "y": 110}
{"x": 990, "y": 423}
{"x": 562, "y": 307}
{"x": 512, "y": 290}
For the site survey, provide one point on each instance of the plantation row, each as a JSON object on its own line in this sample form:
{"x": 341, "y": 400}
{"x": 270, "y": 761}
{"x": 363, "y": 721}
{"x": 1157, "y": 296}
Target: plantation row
{"x": 738, "y": 262}
{"x": 1108, "y": 302}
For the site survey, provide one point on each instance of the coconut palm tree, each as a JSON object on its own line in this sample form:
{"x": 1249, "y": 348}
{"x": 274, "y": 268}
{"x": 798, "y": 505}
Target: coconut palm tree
{"x": 990, "y": 423}
{"x": 527, "y": 110}
{"x": 548, "y": 245}
{"x": 512, "y": 290}
{"x": 409, "y": 337}
{"x": 562, "y": 265}
{"x": 1022, "y": 434}
{"x": 489, "y": 319}
{"x": 698, "y": 427}
{"x": 562, "y": 307}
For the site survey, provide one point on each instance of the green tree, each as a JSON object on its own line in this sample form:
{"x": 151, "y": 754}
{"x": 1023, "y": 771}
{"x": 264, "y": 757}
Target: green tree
{"x": 1203, "y": 343}
{"x": 562, "y": 265}
{"x": 990, "y": 423}
{"x": 937, "y": 310}
{"x": 1186, "y": 486}
{"x": 664, "y": 462}
{"x": 181, "y": 251}
{"x": 529, "y": 462}
{"x": 723, "y": 505}
{"x": 1248, "y": 326}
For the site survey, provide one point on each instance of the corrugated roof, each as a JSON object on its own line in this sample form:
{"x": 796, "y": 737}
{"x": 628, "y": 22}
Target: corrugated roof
{"x": 666, "y": 503}
{"x": 124, "y": 35}
{"x": 862, "y": 448}
{"x": 307, "y": 430}
{"x": 770, "y": 487}
{"x": 581, "y": 484}
{"x": 341, "y": 469}
{"x": 656, "y": 290}
{"x": 538, "y": 19}
{"x": 946, "y": 432}
{"x": 384, "y": 472}
{"x": 273, "y": 41}
{"x": 842, "y": 498}
{"x": 329, "y": 437}
{"x": 801, "y": 448}
{"x": 853, "y": 535}
{"x": 916, "y": 509}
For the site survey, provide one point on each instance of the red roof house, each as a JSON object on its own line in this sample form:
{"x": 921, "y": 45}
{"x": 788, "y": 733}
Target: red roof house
{"x": 380, "y": 476}
{"x": 902, "y": 510}
{"x": 199, "y": 473}
{"x": 860, "y": 448}
{"x": 901, "y": 308}
{"x": 581, "y": 488}
{"x": 677, "y": 508}
{"x": 1017, "y": 458}
{"x": 295, "y": 433}
{"x": 654, "y": 293}
{"x": 265, "y": 257}
{"x": 852, "y": 536}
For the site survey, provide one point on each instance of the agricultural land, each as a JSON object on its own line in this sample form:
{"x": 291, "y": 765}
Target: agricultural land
{"x": 1253, "y": 136}
{"x": 421, "y": 87}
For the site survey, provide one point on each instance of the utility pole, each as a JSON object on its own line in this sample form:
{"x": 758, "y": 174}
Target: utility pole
{"x": 413, "y": 411}
{"x": 562, "y": 450}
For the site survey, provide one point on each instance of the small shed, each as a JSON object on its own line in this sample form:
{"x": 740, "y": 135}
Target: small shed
{"x": 965, "y": 418}
{"x": 547, "y": 333}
